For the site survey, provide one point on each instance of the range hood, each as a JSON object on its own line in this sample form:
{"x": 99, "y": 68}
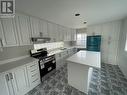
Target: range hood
{"x": 40, "y": 39}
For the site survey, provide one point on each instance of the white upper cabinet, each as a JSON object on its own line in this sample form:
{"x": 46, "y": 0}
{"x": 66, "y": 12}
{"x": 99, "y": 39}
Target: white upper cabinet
{"x": 2, "y": 38}
{"x": 34, "y": 25}
{"x": 56, "y": 32}
{"x": 44, "y": 28}
{"x": 60, "y": 33}
{"x": 52, "y": 30}
{"x": 73, "y": 34}
{"x": 23, "y": 29}
{"x": 18, "y": 31}
{"x": 10, "y": 32}
{"x": 68, "y": 34}
{"x": 65, "y": 33}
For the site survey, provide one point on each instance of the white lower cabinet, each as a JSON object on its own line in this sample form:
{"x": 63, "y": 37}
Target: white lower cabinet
{"x": 62, "y": 56}
{"x": 5, "y": 85}
{"x": 14, "y": 82}
{"x": 33, "y": 74}
{"x": 20, "y": 80}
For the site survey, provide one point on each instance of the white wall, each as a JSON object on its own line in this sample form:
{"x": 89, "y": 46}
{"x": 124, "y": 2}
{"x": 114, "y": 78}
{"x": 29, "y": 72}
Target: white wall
{"x": 122, "y": 54}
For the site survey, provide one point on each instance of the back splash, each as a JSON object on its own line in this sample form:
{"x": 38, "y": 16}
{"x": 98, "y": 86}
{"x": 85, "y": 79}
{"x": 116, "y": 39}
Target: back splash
{"x": 18, "y": 51}
{"x": 14, "y": 52}
{"x": 49, "y": 46}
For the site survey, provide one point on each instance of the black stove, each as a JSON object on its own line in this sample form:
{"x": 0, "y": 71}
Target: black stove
{"x": 46, "y": 63}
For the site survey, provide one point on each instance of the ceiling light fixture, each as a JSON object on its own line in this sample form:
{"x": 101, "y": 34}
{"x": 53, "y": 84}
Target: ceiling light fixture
{"x": 85, "y": 22}
{"x": 77, "y": 14}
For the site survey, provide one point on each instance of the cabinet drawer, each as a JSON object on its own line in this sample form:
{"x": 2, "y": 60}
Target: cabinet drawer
{"x": 32, "y": 72}
{"x": 34, "y": 76}
{"x": 32, "y": 67}
{"x": 35, "y": 82}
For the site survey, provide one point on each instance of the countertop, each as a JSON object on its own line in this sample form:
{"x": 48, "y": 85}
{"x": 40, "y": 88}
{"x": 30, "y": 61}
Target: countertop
{"x": 88, "y": 58}
{"x": 59, "y": 50}
{"x": 14, "y": 64}
{"x": 21, "y": 62}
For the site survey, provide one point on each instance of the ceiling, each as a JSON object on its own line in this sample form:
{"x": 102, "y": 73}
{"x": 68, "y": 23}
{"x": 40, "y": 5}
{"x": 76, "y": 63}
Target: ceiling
{"x": 62, "y": 11}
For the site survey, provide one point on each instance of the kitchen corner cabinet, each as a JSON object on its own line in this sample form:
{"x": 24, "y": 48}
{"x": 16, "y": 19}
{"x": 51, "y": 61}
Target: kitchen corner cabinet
{"x": 23, "y": 29}
{"x": 10, "y": 36}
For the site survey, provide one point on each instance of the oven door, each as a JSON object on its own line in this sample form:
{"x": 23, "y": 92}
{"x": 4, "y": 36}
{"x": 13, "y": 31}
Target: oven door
{"x": 46, "y": 67}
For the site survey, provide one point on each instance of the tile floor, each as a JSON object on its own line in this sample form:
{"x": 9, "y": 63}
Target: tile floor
{"x": 108, "y": 80}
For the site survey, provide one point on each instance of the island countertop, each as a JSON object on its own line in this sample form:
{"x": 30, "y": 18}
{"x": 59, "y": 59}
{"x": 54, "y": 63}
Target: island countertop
{"x": 88, "y": 58}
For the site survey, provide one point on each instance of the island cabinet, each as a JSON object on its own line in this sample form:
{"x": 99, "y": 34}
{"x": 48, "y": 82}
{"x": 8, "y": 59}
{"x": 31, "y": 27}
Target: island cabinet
{"x": 80, "y": 66}
{"x": 20, "y": 80}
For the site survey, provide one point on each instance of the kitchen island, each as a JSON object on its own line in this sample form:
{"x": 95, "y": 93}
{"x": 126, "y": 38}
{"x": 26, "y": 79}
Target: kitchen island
{"x": 80, "y": 68}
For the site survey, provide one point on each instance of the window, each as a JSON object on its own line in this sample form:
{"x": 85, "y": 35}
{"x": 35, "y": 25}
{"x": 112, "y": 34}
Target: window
{"x": 81, "y": 39}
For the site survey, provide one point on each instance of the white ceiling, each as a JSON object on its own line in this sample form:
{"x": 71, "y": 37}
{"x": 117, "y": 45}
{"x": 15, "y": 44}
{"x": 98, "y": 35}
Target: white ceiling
{"x": 62, "y": 11}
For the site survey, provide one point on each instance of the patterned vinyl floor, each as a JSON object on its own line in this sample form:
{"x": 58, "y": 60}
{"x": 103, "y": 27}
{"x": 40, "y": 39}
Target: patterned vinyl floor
{"x": 109, "y": 80}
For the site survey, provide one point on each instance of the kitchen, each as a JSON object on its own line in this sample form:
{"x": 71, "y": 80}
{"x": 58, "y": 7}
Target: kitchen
{"x": 46, "y": 50}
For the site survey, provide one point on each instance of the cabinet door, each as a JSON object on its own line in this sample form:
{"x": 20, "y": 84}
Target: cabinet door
{"x": 56, "y": 33}
{"x": 44, "y": 28}
{"x": 19, "y": 80}
{"x": 2, "y": 38}
{"x": 65, "y": 33}
{"x": 23, "y": 28}
{"x": 51, "y": 32}
{"x": 60, "y": 33}
{"x": 68, "y": 34}
{"x": 10, "y": 32}
{"x": 34, "y": 25}
{"x": 73, "y": 34}
{"x": 5, "y": 85}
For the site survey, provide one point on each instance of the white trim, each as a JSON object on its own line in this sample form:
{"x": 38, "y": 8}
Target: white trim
{"x": 13, "y": 59}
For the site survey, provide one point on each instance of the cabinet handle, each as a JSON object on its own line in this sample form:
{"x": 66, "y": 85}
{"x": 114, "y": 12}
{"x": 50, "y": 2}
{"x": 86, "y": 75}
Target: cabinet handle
{"x": 32, "y": 65}
{"x": 11, "y": 76}
{"x": 1, "y": 42}
{"x": 7, "y": 77}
